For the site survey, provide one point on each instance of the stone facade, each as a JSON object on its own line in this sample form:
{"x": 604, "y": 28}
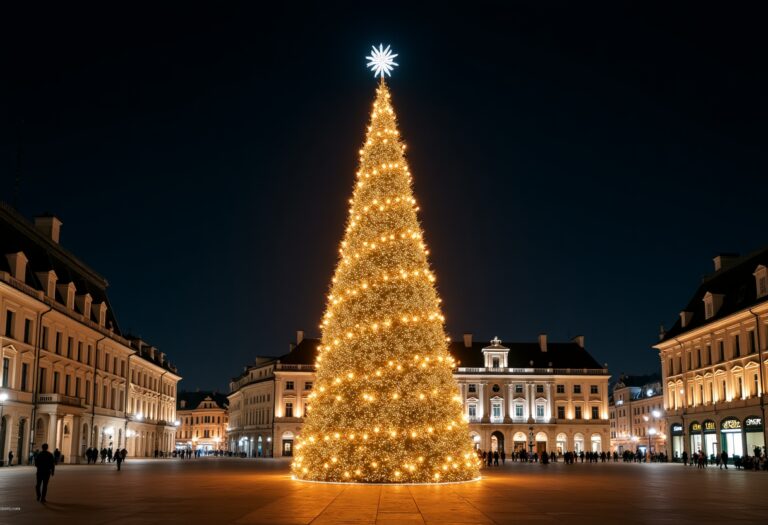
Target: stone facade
{"x": 637, "y": 416}
{"x": 203, "y": 422}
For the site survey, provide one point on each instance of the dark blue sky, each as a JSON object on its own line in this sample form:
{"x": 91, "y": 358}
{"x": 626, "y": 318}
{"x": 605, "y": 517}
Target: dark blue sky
{"x": 577, "y": 167}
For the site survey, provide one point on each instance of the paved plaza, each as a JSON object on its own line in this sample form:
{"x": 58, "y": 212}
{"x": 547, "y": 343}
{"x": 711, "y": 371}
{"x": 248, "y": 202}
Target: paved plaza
{"x": 244, "y": 491}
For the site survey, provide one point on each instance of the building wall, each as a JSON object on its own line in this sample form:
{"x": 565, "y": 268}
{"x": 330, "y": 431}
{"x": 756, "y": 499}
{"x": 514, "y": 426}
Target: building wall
{"x": 638, "y": 420}
{"x": 203, "y": 428}
{"x": 710, "y": 378}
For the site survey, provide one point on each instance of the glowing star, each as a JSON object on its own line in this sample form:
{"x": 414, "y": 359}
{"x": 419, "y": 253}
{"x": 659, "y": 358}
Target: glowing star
{"x": 381, "y": 61}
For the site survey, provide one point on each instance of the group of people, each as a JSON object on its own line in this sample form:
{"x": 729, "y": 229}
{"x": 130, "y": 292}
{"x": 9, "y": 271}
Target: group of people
{"x": 759, "y": 461}
{"x": 107, "y": 455}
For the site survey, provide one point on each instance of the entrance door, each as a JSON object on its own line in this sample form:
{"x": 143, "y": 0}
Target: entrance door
{"x": 287, "y": 447}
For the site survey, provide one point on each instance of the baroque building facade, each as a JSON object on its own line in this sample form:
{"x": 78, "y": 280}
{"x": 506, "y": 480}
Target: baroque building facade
{"x": 713, "y": 361}
{"x": 637, "y": 416}
{"x": 537, "y": 396}
{"x": 71, "y": 377}
{"x": 203, "y": 422}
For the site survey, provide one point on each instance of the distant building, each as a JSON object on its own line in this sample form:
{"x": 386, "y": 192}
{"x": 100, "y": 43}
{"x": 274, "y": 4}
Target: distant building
{"x": 713, "y": 361}
{"x": 203, "y": 421}
{"x": 637, "y": 415}
{"x": 72, "y": 378}
{"x": 534, "y": 396}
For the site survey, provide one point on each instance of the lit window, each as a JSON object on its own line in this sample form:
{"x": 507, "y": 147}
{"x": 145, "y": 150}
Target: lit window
{"x": 289, "y": 410}
{"x": 289, "y": 385}
{"x": 539, "y": 410}
{"x": 472, "y": 388}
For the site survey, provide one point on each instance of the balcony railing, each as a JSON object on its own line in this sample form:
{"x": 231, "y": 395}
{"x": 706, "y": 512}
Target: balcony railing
{"x": 301, "y": 368}
{"x": 60, "y": 399}
{"x": 532, "y": 371}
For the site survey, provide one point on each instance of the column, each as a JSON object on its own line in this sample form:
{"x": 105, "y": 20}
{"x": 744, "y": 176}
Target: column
{"x": 483, "y": 415}
{"x": 52, "y": 424}
{"x": 530, "y": 396}
{"x": 550, "y": 403}
{"x": 74, "y": 453}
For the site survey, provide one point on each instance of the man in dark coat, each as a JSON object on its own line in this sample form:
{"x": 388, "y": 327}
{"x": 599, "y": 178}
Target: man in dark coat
{"x": 45, "y": 466}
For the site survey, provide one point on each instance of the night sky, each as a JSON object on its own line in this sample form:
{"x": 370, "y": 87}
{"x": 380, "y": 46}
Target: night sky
{"x": 577, "y": 167}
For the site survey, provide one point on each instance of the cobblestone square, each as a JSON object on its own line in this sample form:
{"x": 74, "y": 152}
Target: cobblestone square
{"x": 245, "y": 491}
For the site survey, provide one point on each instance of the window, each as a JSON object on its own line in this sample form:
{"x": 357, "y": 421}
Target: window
{"x": 55, "y": 382}
{"x": 289, "y": 410}
{"x": 539, "y": 389}
{"x": 496, "y": 411}
{"x": 80, "y": 351}
{"x": 577, "y": 389}
{"x": 472, "y": 410}
{"x": 77, "y": 387}
{"x": 9, "y": 323}
{"x": 690, "y": 364}
{"x": 205, "y": 433}
{"x": 87, "y": 392}
{"x": 741, "y": 388}
{"x": 106, "y": 362}
{"x": 736, "y": 346}
{"x": 308, "y": 385}
{"x": 755, "y": 389}
{"x": 698, "y": 357}
{"x": 595, "y": 413}
{"x": 709, "y": 354}
{"x": 57, "y": 346}
{"x": 104, "y": 396}
{"x": 67, "y": 384}
{"x": 289, "y": 385}
{"x": 752, "y": 342}
{"x": 518, "y": 389}
{"x": 472, "y": 388}
{"x": 89, "y": 353}
{"x": 539, "y": 410}
{"x": 518, "y": 410}
{"x": 560, "y": 412}
{"x": 708, "y": 310}
{"x": 6, "y": 370}
{"x": 495, "y": 362}
{"x": 721, "y": 346}
{"x": 41, "y": 381}
{"x": 44, "y": 343}
{"x": 578, "y": 412}
{"x": 24, "y": 373}
{"x": 561, "y": 389}
{"x": 722, "y": 393}
{"x": 69, "y": 348}
{"x": 28, "y": 331}
{"x": 593, "y": 389}
{"x": 671, "y": 366}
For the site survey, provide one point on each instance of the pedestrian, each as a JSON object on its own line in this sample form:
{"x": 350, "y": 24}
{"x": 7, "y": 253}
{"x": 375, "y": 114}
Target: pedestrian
{"x": 45, "y": 464}
{"x": 118, "y": 459}
{"x": 685, "y": 458}
{"x": 56, "y": 455}
{"x": 503, "y": 456}
{"x": 496, "y": 458}
{"x": 490, "y": 458}
{"x": 10, "y": 458}
{"x": 724, "y": 459}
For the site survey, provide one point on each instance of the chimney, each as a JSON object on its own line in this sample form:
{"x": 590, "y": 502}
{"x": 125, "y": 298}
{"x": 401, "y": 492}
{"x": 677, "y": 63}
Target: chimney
{"x": 49, "y": 226}
{"x": 685, "y": 318}
{"x": 18, "y": 264}
{"x": 468, "y": 340}
{"x": 162, "y": 358}
{"x": 543, "y": 342}
{"x": 299, "y": 337}
{"x": 724, "y": 261}
{"x": 579, "y": 340}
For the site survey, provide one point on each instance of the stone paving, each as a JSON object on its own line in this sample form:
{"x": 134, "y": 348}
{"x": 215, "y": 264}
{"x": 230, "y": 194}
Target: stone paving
{"x": 248, "y": 491}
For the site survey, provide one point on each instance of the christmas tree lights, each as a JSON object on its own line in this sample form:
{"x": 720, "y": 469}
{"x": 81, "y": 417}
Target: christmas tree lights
{"x": 385, "y": 407}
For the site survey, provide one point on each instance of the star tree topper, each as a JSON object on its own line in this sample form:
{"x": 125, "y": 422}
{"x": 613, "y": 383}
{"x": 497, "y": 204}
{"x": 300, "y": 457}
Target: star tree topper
{"x": 381, "y": 61}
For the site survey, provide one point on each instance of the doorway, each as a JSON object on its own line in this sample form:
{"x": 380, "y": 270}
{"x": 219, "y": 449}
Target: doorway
{"x": 497, "y": 442}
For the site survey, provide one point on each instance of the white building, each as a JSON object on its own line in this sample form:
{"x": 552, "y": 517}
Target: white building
{"x": 713, "y": 361}
{"x": 71, "y": 378}
{"x": 203, "y": 421}
{"x": 637, "y": 416}
{"x": 536, "y": 396}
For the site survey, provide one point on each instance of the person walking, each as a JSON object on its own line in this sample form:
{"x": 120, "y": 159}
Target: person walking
{"x": 56, "y": 455}
{"x": 10, "y": 458}
{"x": 503, "y": 457}
{"x": 118, "y": 459}
{"x": 45, "y": 466}
{"x": 724, "y": 459}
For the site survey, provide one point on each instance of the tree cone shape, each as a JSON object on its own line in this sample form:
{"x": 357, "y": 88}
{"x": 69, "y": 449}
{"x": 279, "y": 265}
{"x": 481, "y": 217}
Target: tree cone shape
{"x": 385, "y": 407}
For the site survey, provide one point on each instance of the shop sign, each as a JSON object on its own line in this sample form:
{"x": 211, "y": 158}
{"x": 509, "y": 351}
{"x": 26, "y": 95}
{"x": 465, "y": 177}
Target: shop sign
{"x": 677, "y": 429}
{"x": 731, "y": 424}
{"x": 753, "y": 423}
{"x": 710, "y": 427}
{"x": 695, "y": 427}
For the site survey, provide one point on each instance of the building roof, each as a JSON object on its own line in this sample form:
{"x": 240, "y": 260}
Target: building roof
{"x": 193, "y": 399}
{"x": 19, "y": 235}
{"x": 734, "y": 281}
{"x": 521, "y": 355}
{"x": 526, "y": 355}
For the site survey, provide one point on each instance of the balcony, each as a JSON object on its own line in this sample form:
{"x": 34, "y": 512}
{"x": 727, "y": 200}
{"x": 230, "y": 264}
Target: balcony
{"x": 533, "y": 371}
{"x": 61, "y": 399}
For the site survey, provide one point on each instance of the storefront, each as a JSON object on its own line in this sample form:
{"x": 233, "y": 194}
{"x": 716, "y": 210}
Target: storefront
{"x": 731, "y": 436}
{"x": 695, "y": 432}
{"x": 676, "y": 431}
{"x": 753, "y": 431}
{"x": 710, "y": 438}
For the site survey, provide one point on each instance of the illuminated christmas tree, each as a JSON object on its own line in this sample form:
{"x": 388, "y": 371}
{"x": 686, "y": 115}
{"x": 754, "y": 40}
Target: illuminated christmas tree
{"x": 385, "y": 407}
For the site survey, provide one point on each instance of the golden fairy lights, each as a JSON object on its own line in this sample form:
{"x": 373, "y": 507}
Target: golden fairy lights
{"x": 385, "y": 408}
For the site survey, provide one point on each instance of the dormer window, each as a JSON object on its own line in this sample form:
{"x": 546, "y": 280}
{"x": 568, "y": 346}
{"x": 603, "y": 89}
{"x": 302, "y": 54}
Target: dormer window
{"x": 495, "y": 362}
{"x": 712, "y": 303}
{"x": 761, "y": 280}
{"x": 708, "y": 308}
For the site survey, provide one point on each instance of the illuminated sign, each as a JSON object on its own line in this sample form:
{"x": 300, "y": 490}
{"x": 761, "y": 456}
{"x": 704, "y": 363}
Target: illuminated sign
{"x": 710, "y": 427}
{"x": 753, "y": 423}
{"x": 696, "y": 427}
{"x": 731, "y": 424}
{"x": 677, "y": 429}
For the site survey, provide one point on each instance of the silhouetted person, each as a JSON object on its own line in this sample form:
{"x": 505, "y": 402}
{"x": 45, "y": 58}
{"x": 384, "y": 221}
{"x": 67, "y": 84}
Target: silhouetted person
{"x": 724, "y": 459}
{"x": 45, "y": 466}
{"x": 10, "y": 458}
{"x": 118, "y": 459}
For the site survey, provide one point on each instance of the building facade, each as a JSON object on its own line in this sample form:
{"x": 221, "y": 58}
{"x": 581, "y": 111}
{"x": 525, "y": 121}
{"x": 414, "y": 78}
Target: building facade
{"x": 637, "y": 416}
{"x": 203, "y": 422}
{"x": 536, "y": 396}
{"x": 713, "y": 361}
{"x": 71, "y": 378}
